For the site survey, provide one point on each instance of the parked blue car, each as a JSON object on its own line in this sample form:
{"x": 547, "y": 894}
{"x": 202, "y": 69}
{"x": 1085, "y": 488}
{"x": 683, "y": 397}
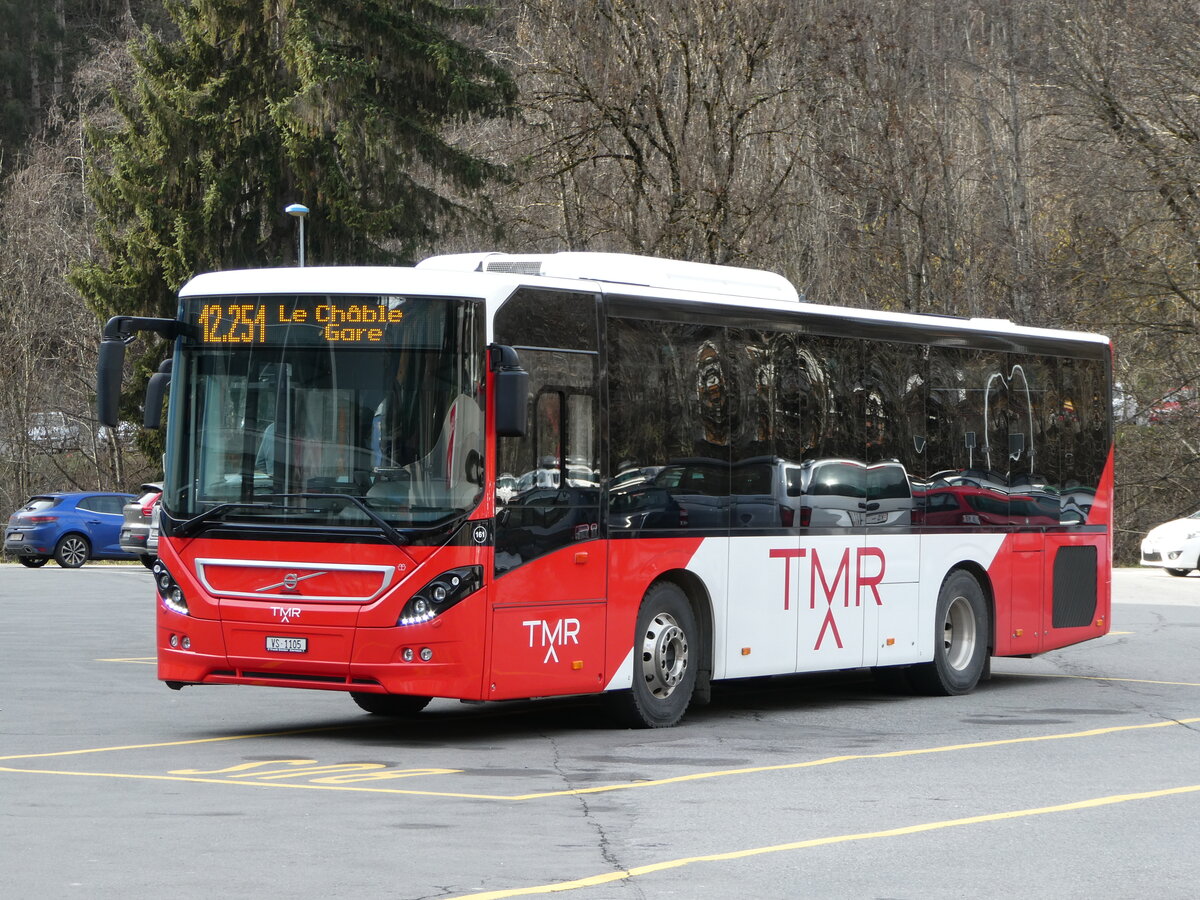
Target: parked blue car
{"x": 72, "y": 528}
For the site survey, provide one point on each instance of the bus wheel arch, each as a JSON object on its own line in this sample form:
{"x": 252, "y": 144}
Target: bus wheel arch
{"x": 669, "y": 654}
{"x": 963, "y": 641}
{"x": 702, "y": 609}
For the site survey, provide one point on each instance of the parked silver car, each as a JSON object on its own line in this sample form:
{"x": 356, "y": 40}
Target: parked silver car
{"x": 135, "y": 530}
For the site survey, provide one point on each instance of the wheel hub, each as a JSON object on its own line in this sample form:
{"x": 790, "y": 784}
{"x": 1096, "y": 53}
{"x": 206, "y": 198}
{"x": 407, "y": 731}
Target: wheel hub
{"x": 664, "y": 655}
{"x": 959, "y": 633}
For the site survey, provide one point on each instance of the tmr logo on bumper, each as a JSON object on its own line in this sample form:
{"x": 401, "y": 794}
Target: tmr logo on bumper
{"x": 866, "y": 558}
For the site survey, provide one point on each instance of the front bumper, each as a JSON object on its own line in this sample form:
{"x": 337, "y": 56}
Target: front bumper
{"x": 1171, "y": 554}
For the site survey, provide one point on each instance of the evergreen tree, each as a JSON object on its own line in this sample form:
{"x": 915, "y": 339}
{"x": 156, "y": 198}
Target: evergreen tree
{"x": 338, "y": 104}
{"x": 28, "y": 38}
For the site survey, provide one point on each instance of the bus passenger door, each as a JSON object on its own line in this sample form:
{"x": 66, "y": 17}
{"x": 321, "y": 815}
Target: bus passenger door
{"x": 548, "y": 597}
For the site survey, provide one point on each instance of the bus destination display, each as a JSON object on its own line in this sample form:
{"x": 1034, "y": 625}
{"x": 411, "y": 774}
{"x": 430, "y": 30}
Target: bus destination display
{"x": 355, "y": 320}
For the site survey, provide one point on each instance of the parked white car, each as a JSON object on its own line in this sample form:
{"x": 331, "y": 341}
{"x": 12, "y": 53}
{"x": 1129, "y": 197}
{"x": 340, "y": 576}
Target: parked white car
{"x": 1174, "y": 546}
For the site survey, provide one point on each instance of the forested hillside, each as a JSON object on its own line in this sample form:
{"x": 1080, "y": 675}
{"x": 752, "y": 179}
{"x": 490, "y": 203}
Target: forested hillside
{"x": 1036, "y": 160}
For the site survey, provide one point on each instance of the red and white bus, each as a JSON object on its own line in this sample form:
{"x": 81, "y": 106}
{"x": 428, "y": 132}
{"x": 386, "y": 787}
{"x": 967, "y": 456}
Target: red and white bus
{"x": 499, "y": 476}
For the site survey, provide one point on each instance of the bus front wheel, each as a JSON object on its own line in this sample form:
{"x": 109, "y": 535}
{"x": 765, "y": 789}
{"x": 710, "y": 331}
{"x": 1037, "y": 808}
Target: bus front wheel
{"x": 960, "y": 650}
{"x": 664, "y": 660}
{"x": 390, "y": 704}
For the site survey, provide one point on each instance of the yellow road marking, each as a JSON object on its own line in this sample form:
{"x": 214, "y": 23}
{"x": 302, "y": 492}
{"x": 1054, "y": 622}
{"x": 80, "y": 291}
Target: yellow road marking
{"x": 140, "y": 660}
{"x": 609, "y": 877}
{"x": 212, "y": 740}
{"x": 1099, "y": 678}
{"x": 695, "y": 776}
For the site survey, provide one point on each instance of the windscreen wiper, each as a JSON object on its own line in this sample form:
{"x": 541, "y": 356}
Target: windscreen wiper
{"x": 394, "y": 536}
{"x": 190, "y": 526}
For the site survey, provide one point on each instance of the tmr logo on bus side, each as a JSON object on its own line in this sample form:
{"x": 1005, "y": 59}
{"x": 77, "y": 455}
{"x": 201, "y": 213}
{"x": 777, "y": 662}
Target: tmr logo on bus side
{"x": 841, "y": 578}
{"x": 561, "y": 633}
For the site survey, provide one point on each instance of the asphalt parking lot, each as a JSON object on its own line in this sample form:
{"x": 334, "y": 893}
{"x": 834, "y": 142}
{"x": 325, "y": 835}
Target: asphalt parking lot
{"x": 1074, "y": 774}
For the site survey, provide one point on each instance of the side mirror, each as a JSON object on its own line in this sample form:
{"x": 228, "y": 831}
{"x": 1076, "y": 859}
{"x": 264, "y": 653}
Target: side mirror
{"x": 156, "y": 388}
{"x": 108, "y": 381}
{"x": 511, "y": 392}
{"x": 119, "y": 331}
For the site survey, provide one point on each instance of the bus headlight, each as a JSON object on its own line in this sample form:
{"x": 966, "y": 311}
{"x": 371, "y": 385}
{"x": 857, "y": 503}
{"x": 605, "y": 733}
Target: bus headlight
{"x": 170, "y": 593}
{"x": 440, "y": 594}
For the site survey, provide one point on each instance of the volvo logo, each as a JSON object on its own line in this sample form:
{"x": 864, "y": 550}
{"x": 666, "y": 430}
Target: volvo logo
{"x": 290, "y": 580}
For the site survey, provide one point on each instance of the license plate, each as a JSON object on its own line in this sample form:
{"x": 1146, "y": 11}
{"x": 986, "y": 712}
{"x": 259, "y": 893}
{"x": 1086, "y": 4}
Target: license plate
{"x": 287, "y": 645}
{"x": 876, "y": 518}
{"x": 14, "y": 538}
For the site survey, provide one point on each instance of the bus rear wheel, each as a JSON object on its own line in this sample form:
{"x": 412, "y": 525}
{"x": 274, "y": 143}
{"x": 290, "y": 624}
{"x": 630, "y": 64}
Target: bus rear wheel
{"x": 664, "y": 660}
{"x": 960, "y": 650}
{"x": 390, "y": 704}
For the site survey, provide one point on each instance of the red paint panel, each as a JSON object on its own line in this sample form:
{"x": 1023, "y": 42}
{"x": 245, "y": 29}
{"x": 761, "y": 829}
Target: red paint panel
{"x": 328, "y": 652}
{"x": 207, "y": 652}
{"x": 455, "y": 639}
{"x": 547, "y": 649}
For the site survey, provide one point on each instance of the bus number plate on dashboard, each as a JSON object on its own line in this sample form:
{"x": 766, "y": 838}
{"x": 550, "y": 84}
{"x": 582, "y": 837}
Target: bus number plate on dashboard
{"x": 287, "y": 645}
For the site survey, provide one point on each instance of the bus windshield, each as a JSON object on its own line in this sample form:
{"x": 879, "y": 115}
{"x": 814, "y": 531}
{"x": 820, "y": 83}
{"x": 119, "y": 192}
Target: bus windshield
{"x": 327, "y": 411}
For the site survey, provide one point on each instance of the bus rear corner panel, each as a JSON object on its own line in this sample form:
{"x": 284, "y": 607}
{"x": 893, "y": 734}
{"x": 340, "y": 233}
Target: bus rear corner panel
{"x": 1079, "y": 597}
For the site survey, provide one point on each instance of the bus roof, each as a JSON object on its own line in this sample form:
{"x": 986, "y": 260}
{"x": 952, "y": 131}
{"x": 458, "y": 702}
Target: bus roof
{"x": 626, "y": 269}
{"x": 494, "y": 276}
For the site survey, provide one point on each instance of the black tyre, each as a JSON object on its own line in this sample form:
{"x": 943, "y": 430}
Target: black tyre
{"x": 391, "y": 704}
{"x": 960, "y": 651}
{"x": 72, "y": 551}
{"x": 148, "y": 561}
{"x": 665, "y": 662}
{"x": 33, "y": 562}
{"x": 1178, "y": 573}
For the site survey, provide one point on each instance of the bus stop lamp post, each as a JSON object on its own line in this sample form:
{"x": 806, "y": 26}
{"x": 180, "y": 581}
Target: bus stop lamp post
{"x": 299, "y": 211}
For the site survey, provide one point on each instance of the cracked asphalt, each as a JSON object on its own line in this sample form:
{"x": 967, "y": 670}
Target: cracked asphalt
{"x": 1073, "y": 774}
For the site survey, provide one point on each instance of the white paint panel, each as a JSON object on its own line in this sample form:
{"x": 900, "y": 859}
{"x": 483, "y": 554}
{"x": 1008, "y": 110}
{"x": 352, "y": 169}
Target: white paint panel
{"x": 903, "y": 555}
{"x": 622, "y": 679}
{"x": 831, "y": 608}
{"x": 768, "y": 595}
{"x": 897, "y": 621}
{"x": 764, "y": 581}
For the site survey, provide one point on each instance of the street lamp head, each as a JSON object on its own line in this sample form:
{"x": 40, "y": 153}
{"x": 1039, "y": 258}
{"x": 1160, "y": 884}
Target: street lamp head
{"x": 299, "y": 211}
